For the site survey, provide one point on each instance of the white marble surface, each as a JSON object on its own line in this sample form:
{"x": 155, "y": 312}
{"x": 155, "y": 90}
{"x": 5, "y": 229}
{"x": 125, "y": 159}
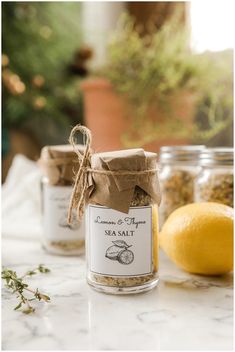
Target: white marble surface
{"x": 184, "y": 312}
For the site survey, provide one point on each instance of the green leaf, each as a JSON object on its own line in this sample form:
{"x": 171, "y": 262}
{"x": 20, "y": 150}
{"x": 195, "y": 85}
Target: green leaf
{"x": 29, "y": 310}
{"x": 43, "y": 269}
{"x": 18, "y": 306}
{"x": 30, "y": 273}
{"x": 45, "y": 298}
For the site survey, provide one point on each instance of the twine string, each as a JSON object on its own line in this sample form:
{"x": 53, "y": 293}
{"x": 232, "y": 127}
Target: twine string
{"x": 80, "y": 183}
{"x": 121, "y": 172}
{"x": 79, "y": 193}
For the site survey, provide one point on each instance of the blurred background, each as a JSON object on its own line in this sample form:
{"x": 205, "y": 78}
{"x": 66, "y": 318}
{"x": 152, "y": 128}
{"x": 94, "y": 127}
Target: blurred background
{"x": 138, "y": 74}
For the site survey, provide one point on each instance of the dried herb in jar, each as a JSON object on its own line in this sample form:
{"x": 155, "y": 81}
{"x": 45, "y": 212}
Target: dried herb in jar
{"x": 215, "y": 181}
{"x": 218, "y": 188}
{"x": 179, "y": 168}
{"x": 178, "y": 190}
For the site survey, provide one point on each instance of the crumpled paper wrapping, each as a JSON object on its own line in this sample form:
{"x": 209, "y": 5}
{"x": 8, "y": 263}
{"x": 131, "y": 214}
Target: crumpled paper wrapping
{"x": 116, "y": 191}
{"x": 59, "y": 162}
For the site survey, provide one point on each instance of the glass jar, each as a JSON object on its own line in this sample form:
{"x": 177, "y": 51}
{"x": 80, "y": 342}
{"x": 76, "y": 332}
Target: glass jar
{"x": 179, "y": 165}
{"x": 59, "y": 163}
{"x": 215, "y": 181}
{"x": 122, "y": 222}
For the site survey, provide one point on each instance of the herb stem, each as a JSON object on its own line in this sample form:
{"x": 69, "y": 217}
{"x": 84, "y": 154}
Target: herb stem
{"x": 18, "y": 286}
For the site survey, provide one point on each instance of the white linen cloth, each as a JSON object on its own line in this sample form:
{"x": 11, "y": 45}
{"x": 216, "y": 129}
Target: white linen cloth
{"x": 21, "y": 200}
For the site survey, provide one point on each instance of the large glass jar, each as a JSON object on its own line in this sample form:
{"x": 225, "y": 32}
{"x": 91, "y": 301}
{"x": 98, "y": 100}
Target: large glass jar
{"x": 215, "y": 181}
{"x": 122, "y": 222}
{"x": 59, "y": 163}
{"x": 179, "y": 165}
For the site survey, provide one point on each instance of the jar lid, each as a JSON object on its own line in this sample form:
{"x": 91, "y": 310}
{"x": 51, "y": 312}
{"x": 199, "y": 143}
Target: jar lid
{"x": 180, "y": 153}
{"x": 59, "y": 162}
{"x": 118, "y": 173}
{"x": 126, "y": 159}
{"x": 65, "y": 151}
{"x": 217, "y": 156}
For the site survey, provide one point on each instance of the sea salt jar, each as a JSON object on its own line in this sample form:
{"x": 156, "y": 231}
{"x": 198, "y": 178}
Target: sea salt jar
{"x": 122, "y": 222}
{"x": 59, "y": 164}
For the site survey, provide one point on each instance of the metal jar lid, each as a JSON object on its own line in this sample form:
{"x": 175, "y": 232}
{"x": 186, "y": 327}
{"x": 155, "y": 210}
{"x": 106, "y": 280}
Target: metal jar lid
{"x": 217, "y": 156}
{"x": 186, "y": 153}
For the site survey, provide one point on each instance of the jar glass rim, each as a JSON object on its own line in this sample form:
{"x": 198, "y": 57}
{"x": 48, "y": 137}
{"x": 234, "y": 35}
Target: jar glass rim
{"x": 180, "y": 153}
{"x": 217, "y": 156}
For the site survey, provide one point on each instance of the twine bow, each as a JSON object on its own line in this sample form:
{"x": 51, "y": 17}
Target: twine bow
{"x": 78, "y": 197}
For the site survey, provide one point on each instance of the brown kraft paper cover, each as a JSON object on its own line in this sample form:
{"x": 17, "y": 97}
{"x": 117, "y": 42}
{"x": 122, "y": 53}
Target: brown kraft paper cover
{"x": 59, "y": 162}
{"x": 115, "y": 190}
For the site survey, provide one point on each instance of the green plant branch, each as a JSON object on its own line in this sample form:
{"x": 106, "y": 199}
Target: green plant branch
{"x": 18, "y": 287}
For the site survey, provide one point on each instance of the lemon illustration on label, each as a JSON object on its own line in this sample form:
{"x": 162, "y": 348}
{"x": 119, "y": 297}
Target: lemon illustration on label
{"x": 119, "y": 251}
{"x": 126, "y": 257}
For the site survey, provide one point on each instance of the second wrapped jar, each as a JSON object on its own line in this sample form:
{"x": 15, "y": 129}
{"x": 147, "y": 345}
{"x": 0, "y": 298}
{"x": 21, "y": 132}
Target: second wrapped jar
{"x": 59, "y": 164}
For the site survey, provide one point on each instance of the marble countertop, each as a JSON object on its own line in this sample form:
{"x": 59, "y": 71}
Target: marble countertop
{"x": 185, "y": 312}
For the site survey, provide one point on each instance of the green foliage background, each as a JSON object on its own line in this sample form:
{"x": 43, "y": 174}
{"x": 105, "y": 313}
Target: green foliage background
{"x": 40, "y": 38}
{"x": 150, "y": 69}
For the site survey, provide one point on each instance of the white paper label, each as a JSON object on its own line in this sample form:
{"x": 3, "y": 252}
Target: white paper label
{"x": 120, "y": 244}
{"x": 55, "y": 210}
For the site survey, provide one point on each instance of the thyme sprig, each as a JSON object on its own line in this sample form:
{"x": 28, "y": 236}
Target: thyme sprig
{"x": 19, "y": 287}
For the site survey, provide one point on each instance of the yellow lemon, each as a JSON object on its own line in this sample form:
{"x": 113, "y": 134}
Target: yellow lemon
{"x": 199, "y": 238}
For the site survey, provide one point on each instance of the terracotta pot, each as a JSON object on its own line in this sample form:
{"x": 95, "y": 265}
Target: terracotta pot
{"x": 106, "y": 115}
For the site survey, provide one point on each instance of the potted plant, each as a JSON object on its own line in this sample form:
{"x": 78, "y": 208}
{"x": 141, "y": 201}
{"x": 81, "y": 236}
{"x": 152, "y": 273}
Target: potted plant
{"x": 147, "y": 94}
